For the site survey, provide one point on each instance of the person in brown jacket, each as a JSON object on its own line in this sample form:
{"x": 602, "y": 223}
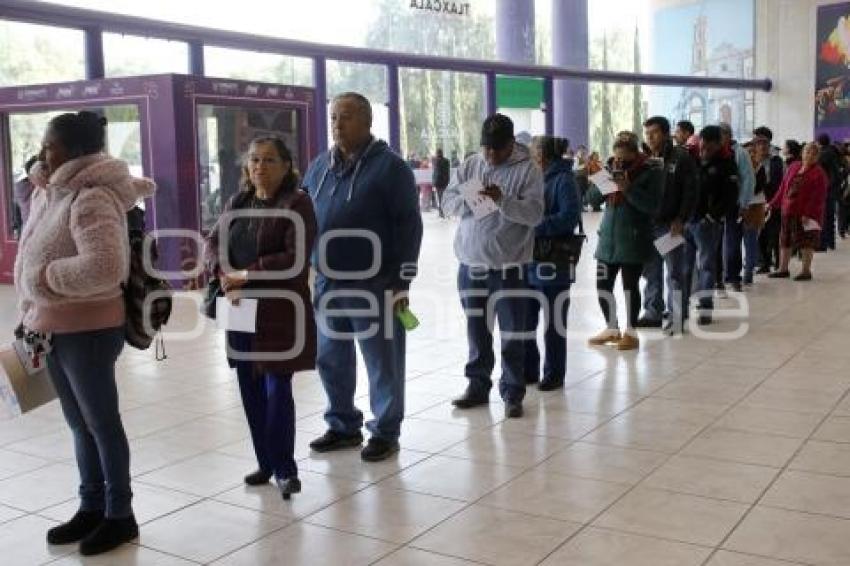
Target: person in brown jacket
{"x": 260, "y": 245}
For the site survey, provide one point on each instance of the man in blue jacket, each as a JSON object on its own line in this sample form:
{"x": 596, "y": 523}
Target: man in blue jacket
{"x": 370, "y": 232}
{"x": 493, "y": 251}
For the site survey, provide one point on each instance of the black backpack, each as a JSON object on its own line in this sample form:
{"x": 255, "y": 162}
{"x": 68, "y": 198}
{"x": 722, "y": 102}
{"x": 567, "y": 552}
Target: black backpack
{"x": 146, "y": 314}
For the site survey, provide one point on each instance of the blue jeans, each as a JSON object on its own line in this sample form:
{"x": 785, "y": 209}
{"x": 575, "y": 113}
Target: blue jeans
{"x": 82, "y": 368}
{"x": 653, "y": 272}
{"x": 270, "y": 411}
{"x": 382, "y": 344}
{"x": 752, "y": 252}
{"x": 477, "y": 287}
{"x": 702, "y": 239}
{"x": 555, "y": 362}
{"x": 733, "y": 235}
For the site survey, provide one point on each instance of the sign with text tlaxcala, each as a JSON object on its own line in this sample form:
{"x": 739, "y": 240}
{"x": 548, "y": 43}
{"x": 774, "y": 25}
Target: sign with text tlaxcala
{"x": 441, "y": 7}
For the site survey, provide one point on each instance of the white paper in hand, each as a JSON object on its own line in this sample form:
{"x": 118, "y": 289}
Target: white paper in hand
{"x": 668, "y": 242}
{"x": 240, "y": 318}
{"x": 604, "y": 182}
{"x": 479, "y": 204}
{"x": 810, "y": 225}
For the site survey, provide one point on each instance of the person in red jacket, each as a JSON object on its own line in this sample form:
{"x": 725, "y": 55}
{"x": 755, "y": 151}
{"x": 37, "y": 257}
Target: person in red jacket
{"x": 801, "y": 198}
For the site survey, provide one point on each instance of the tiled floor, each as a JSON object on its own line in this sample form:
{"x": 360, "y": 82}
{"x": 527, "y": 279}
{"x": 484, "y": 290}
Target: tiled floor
{"x": 696, "y": 451}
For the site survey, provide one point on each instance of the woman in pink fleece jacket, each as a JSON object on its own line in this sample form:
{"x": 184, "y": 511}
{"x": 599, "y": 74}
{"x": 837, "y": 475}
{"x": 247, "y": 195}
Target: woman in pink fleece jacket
{"x": 72, "y": 258}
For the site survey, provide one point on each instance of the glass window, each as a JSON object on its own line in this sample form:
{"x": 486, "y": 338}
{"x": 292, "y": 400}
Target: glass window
{"x": 127, "y": 55}
{"x": 224, "y": 133}
{"x": 522, "y": 100}
{"x": 26, "y": 130}
{"x": 32, "y": 54}
{"x": 255, "y": 66}
{"x": 440, "y": 110}
{"x": 368, "y": 80}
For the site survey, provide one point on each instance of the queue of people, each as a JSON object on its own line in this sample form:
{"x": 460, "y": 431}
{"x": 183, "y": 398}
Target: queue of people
{"x": 354, "y": 219}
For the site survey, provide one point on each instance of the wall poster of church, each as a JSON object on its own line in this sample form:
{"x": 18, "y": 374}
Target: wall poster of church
{"x": 706, "y": 38}
{"x": 832, "y": 71}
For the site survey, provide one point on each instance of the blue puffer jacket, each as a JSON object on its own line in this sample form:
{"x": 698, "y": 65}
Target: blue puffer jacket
{"x": 560, "y": 217}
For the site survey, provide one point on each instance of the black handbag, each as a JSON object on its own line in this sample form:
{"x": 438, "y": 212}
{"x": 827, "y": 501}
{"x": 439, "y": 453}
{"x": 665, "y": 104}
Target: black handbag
{"x": 214, "y": 291}
{"x": 563, "y": 252}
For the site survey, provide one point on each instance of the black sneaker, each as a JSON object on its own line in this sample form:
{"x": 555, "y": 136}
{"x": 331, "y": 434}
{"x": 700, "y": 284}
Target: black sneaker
{"x": 333, "y": 440}
{"x": 79, "y": 527}
{"x": 111, "y": 534}
{"x": 469, "y": 399}
{"x": 645, "y": 322}
{"x": 550, "y": 385}
{"x": 288, "y": 486}
{"x": 378, "y": 449}
{"x": 513, "y": 409}
{"x": 259, "y": 477}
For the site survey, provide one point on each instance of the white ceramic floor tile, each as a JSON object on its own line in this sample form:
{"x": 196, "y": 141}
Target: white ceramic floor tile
{"x": 608, "y": 463}
{"x": 40, "y": 488}
{"x": 22, "y": 541}
{"x": 712, "y": 478}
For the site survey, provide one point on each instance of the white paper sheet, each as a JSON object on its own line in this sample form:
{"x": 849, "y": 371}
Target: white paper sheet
{"x": 810, "y": 224}
{"x": 480, "y": 205}
{"x": 668, "y": 242}
{"x": 604, "y": 182}
{"x": 240, "y": 318}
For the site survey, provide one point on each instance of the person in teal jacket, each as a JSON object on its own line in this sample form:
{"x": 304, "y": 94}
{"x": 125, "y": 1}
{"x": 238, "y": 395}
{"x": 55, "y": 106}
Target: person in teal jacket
{"x": 625, "y": 237}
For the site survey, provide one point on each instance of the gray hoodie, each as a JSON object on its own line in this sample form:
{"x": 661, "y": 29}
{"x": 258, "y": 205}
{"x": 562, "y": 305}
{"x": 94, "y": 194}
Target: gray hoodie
{"x": 505, "y": 237}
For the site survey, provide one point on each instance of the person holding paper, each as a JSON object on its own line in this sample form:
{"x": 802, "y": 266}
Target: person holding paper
{"x": 802, "y": 200}
{"x": 679, "y": 196}
{"x": 560, "y": 218}
{"x": 73, "y": 257}
{"x": 493, "y": 251}
{"x": 261, "y": 245}
{"x": 625, "y": 237}
{"x": 370, "y": 233}
{"x": 718, "y": 197}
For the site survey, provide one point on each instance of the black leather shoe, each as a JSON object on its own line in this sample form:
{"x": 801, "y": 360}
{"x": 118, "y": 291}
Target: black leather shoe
{"x": 469, "y": 400}
{"x": 645, "y": 322}
{"x": 378, "y": 449}
{"x": 704, "y": 320}
{"x": 111, "y": 534}
{"x": 803, "y": 277}
{"x": 333, "y": 440}
{"x": 288, "y": 486}
{"x": 546, "y": 385}
{"x": 79, "y": 527}
{"x": 258, "y": 478}
{"x": 513, "y": 409}
{"x": 779, "y": 275}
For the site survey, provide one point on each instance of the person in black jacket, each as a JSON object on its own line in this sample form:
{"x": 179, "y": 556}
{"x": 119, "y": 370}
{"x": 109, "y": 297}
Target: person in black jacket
{"x": 769, "y": 176}
{"x": 718, "y": 195}
{"x": 440, "y": 177}
{"x": 831, "y": 162}
{"x": 679, "y": 199}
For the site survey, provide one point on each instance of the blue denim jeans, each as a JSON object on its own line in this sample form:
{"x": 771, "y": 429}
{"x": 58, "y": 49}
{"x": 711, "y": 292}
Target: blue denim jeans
{"x": 752, "y": 252}
{"x": 702, "y": 239}
{"x": 382, "y": 344}
{"x": 557, "y": 300}
{"x": 477, "y": 288}
{"x": 269, "y": 410}
{"x": 733, "y": 235}
{"x": 653, "y": 273}
{"x": 82, "y": 368}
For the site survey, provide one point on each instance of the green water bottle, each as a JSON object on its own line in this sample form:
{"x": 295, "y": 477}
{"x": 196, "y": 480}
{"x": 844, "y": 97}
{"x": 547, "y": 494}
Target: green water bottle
{"x": 408, "y": 319}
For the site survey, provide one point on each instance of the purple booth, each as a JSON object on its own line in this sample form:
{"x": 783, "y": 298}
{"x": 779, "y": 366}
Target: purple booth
{"x": 188, "y": 133}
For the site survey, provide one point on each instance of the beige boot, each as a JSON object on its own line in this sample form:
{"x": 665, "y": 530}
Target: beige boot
{"x": 607, "y": 336}
{"x": 628, "y": 341}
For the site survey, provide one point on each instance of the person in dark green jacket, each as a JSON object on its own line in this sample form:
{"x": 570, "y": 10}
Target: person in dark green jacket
{"x": 625, "y": 237}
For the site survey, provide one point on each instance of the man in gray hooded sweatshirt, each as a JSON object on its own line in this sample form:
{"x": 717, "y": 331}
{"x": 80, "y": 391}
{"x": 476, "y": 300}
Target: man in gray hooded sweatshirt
{"x": 492, "y": 250}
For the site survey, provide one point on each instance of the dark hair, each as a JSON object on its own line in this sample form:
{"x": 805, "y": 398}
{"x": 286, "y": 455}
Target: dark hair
{"x": 30, "y": 162}
{"x": 290, "y": 181}
{"x": 687, "y": 126}
{"x": 764, "y": 132}
{"x": 794, "y": 148}
{"x": 551, "y": 148}
{"x": 497, "y": 131}
{"x": 824, "y": 139}
{"x": 83, "y": 133}
{"x": 362, "y": 102}
{"x": 711, "y": 134}
{"x": 627, "y": 143}
{"x": 659, "y": 121}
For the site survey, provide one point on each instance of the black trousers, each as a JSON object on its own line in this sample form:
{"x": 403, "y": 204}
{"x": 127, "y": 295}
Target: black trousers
{"x": 606, "y": 275}
{"x": 769, "y": 241}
